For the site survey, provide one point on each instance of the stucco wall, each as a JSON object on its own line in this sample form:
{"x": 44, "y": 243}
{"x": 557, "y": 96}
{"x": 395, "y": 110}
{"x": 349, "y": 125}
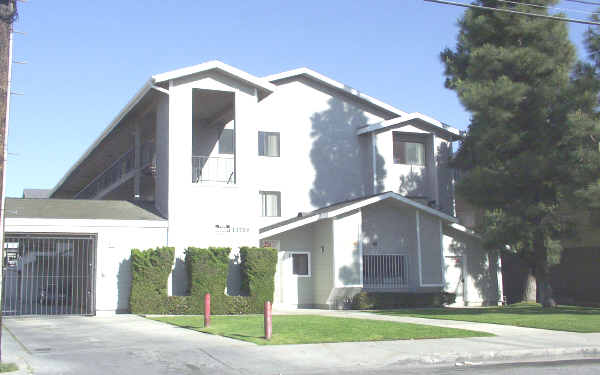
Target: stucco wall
{"x": 161, "y": 194}
{"x": 391, "y": 229}
{"x": 482, "y": 270}
{"x": 115, "y": 239}
{"x": 347, "y": 250}
{"x": 431, "y": 250}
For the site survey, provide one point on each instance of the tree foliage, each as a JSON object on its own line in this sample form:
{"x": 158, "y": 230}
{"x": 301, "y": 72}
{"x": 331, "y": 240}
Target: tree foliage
{"x": 532, "y": 143}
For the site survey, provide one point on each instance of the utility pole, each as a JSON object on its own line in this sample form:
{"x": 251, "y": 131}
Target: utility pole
{"x": 8, "y": 13}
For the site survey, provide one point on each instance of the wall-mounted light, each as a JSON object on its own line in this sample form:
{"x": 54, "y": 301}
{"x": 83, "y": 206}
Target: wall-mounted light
{"x": 322, "y": 249}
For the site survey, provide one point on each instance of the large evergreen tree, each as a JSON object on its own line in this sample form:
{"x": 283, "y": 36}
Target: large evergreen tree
{"x": 531, "y": 143}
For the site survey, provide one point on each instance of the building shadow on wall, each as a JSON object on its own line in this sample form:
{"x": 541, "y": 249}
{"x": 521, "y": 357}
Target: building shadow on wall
{"x": 482, "y": 269}
{"x": 350, "y": 275}
{"x": 179, "y": 279}
{"x": 445, "y": 179}
{"x": 123, "y": 286}
{"x": 340, "y": 166}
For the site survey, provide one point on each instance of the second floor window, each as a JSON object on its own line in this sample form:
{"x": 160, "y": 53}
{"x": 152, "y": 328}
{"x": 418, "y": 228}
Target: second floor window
{"x": 226, "y": 142}
{"x": 270, "y": 203}
{"x": 268, "y": 144}
{"x": 412, "y": 153}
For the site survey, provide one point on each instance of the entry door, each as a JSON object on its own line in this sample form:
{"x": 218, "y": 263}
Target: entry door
{"x": 294, "y": 266}
{"x": 455, "y": 277}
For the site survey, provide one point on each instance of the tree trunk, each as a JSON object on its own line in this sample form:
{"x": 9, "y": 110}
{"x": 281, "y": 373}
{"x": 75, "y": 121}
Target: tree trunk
{"x": 529, "y": 287}
{"x": 542, "y": 271}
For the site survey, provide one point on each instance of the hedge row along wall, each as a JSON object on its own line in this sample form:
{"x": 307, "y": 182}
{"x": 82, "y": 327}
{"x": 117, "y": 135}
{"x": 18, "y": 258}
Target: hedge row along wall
{"x": 207, "y": 273}
{"x": 392, "y": 300}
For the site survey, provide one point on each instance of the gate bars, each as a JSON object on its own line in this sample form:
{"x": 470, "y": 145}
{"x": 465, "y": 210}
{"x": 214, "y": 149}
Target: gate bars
{"x": 49, "y": 274}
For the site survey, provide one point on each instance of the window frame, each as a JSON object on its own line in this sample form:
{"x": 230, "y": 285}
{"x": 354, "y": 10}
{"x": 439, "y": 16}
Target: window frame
{"x": 232, "y": 142}
{"x": 262, "y": 144}
{"x": 399, "y": 137}
{"x": 309, "y": 268}
{"x": 263, "y": 208}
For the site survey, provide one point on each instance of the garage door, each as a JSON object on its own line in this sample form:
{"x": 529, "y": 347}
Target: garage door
{"x": 49, "y": 274}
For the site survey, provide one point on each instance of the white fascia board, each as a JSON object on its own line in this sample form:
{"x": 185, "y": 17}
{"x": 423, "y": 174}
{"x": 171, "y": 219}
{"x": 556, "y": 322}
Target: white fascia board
{"x": 132, "y": 102}
{"x": 13, "y": 223}
{"x": 216, "y": 65}
{"x": 334, "y": 84}
{"x": 401, "y": 121}
{"x": 351, "y": 207}
{"x": 463, "y": 229}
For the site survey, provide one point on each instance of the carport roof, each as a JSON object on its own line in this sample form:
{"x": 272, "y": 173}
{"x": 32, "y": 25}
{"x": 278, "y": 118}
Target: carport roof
{"x": 76, "y": 209}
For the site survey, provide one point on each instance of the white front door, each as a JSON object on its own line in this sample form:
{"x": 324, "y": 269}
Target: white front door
{"x": 292, "y": 267}
{"x": 455, "y": 277}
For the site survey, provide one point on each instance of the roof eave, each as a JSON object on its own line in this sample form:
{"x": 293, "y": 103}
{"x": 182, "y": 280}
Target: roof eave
{"x": 113, "y": 124}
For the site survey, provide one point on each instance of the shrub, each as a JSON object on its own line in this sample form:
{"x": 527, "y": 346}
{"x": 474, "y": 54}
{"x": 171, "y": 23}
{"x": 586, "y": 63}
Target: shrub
{"x": 258, "y": 272}
{"x": 390, "y": 300}
{"x": 207, "y": 273}
{"x": 150, "y": 271}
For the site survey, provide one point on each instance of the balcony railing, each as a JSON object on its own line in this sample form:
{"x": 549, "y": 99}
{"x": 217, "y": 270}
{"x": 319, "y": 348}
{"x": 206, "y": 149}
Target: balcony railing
{"x": 385, "y": 271}
{"x": 117, "y": 170}
{"x": 213, "y": 169}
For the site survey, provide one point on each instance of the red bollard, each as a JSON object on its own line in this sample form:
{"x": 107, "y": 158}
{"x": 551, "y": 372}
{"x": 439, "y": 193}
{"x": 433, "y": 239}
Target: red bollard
{"x": 268, "y": 321}
{"x": 206, "y": 309}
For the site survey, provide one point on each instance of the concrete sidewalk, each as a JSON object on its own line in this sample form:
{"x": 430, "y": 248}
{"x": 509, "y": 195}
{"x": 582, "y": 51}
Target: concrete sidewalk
{"x": 127, "y": 344}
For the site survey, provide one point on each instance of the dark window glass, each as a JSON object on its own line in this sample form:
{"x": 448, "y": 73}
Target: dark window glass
{"x": 300, "y": 264}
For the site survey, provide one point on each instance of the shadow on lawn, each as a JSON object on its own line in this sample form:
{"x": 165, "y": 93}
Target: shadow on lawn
{"x": 517, "y": 310}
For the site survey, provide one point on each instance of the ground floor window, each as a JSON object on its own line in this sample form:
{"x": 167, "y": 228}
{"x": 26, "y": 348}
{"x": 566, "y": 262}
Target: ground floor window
{"x": 385, "y": 271}
{"x": 301, "y": 264}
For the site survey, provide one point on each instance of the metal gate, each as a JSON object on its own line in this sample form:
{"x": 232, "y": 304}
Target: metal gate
{"x": 49, "y": 274}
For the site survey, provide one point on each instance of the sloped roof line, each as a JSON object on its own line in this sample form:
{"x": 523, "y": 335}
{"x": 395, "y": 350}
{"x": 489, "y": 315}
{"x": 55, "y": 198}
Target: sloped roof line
{"x": 345, "y": 207}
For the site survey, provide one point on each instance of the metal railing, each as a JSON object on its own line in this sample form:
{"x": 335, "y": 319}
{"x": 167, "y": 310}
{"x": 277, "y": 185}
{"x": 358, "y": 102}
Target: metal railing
{"x": 115, "y": 172}
{"x": 214, "y": 169}
{"x": 49, "y": 274}
{"x": 385, "y": 271}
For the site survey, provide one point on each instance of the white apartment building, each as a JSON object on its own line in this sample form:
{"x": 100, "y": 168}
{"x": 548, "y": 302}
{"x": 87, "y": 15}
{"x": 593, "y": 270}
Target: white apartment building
{"x": 354, "y": 193}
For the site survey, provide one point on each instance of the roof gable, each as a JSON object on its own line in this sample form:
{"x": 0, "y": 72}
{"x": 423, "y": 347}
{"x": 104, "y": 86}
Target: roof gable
{"x": 345, "y": 207}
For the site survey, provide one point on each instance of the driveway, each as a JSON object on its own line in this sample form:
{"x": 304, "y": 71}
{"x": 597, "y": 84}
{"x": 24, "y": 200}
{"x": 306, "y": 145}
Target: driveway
{"x": 128, "y": 344}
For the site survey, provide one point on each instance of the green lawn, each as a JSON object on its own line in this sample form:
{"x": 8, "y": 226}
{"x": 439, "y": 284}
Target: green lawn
{"x": 561, "y": 318}
{"x": 310, "y": 329}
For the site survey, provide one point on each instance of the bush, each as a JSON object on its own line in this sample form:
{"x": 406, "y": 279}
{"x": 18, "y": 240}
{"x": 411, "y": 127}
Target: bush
{"x": 258, "y": 272}
{"x": 207, "y": 273}
{"x": 389, "y": 300}
{"x": 150, "y": 271}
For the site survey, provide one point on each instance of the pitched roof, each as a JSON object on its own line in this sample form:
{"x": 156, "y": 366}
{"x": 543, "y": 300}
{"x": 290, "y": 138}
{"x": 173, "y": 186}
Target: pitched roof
{"x": 347, "y": 206}
{"x": 415, "y": 118}
{"x": 76, "y": 209}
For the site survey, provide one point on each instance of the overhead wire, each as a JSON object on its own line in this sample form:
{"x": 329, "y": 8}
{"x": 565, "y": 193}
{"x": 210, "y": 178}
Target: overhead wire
{"x": 584, "y": 2}
{"x": 547, "y": 7}
{"x": 502, "y": 10}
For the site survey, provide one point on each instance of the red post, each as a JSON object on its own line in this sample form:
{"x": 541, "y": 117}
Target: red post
{"x": 268, "y": 321}
{"x": 206, "y": 309}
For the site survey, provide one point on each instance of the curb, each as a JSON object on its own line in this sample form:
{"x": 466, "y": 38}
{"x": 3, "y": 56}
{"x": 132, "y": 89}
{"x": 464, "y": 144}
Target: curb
{"x": 499, "y": 357}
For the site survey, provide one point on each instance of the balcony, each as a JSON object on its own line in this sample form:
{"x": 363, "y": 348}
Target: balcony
{"x": 213, "y": 169}
{"x": 118, "y": 172}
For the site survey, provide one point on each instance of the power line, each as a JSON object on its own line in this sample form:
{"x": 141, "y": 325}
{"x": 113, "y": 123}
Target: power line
{"x": 564, "y": 19}
{"x": 545, "y": 7}
{"x": 584, "y": 2}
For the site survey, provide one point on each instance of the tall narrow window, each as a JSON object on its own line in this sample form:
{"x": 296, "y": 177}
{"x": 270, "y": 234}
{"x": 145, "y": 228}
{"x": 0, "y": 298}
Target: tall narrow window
{"x": 268, "y": 144}
{"x": 412, "y": 153}
{"x": 270, "y": 202}
{"x": 226, "y": 142}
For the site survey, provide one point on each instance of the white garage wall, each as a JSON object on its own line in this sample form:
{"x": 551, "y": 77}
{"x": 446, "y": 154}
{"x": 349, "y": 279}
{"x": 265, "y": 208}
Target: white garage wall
{"x": 115, "y": 239}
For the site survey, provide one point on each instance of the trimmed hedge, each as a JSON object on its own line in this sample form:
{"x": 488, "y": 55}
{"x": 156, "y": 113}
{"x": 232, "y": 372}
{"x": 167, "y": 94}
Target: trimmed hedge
{"x": 150, "y": 271}
{"x": 207, "y": 273}
{"x": 389, "y": 300}
{"x": 258, "y": 272}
